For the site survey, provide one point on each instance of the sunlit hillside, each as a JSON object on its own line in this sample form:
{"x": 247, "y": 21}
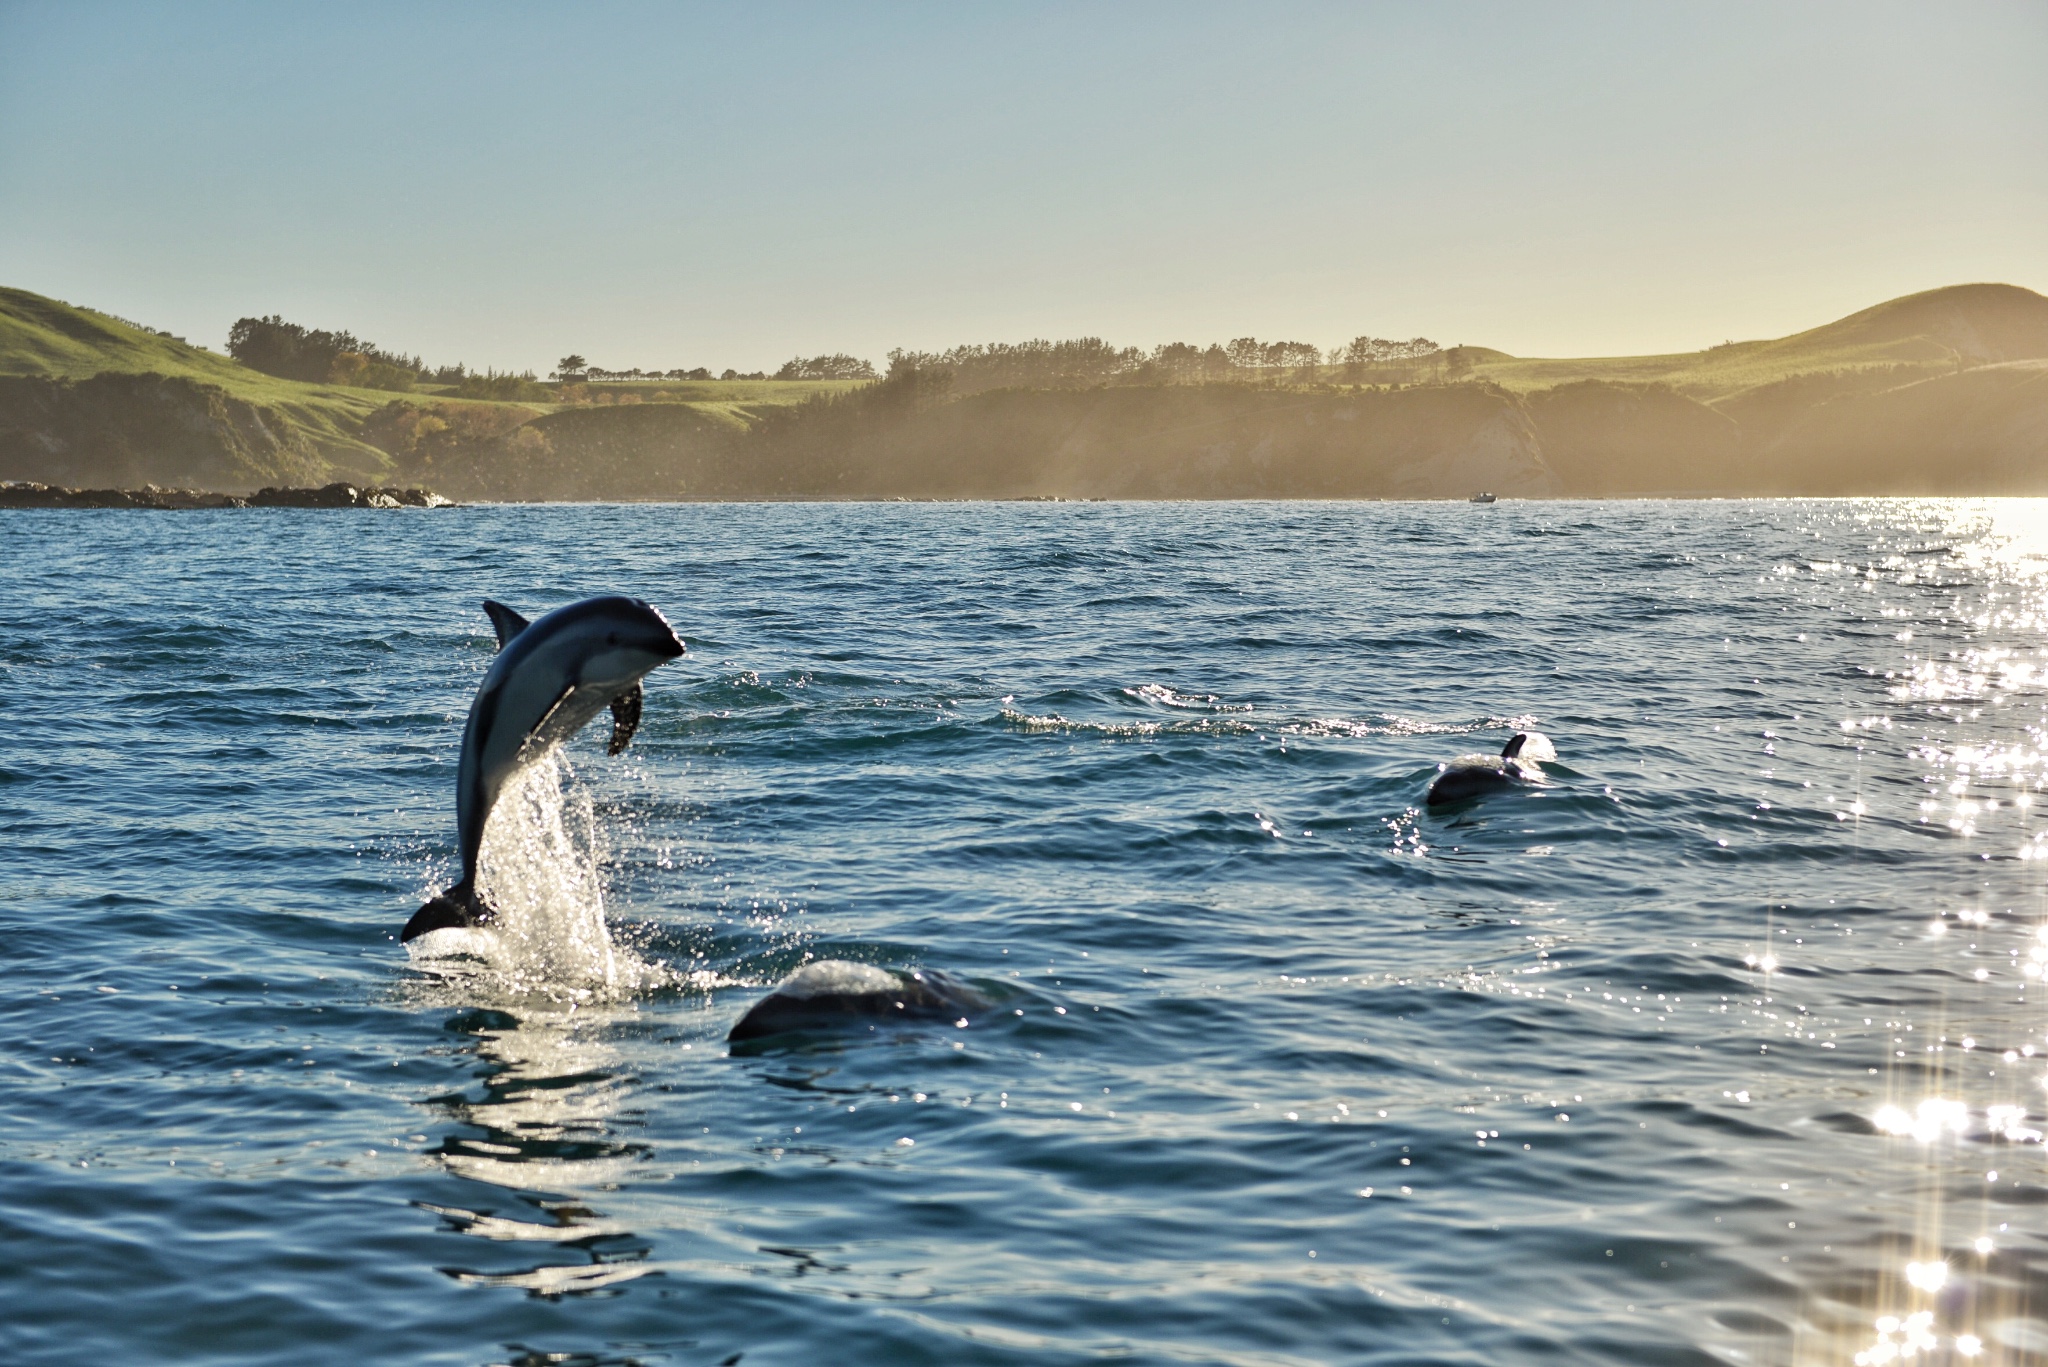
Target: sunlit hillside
{"x": 288, "y": 429}
{"x": 47, "y": 339}
{"x": 1934, "y": 332}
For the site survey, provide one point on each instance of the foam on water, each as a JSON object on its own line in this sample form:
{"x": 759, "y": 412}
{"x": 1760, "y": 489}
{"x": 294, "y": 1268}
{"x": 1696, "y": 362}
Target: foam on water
{"x": 540, "y": 868}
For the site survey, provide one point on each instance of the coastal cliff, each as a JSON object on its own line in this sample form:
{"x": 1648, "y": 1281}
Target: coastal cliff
{"x": 128, "y": 430}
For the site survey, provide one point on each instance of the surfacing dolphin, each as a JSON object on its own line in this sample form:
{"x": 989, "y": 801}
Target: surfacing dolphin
{"x": 835, "y": 993}
{"x": 550, "y": 678}
{"x": 1469, "y": 776}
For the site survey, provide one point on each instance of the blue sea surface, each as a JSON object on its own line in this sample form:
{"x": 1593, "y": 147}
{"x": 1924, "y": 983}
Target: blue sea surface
{"x": 1721, "y": 1045}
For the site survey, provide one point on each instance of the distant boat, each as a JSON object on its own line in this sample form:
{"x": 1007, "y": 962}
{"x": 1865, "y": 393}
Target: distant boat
{"x": 1482, "y": 498}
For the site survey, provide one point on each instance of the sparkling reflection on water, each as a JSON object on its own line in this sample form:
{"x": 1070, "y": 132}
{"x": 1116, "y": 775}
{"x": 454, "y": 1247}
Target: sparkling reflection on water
{"x": 1717, "y": 1047}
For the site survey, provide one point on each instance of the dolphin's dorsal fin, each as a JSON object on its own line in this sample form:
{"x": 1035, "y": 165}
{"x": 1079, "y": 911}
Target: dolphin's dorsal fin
{"x": 506, "y": 622}
{"x": 625, "y": 718}
{"x": 1514, "y": 745}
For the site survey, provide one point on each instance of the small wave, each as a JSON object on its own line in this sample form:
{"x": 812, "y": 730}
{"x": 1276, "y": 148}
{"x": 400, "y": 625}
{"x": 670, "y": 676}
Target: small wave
{"x": 1192, "y": 726}
{"x": 1191, "y": 702}
{"x": 1391, "y": 724}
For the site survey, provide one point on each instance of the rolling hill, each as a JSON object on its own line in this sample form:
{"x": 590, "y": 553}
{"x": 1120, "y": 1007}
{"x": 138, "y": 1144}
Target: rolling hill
{"x": 1918, "y": 335}
{"x": 1942, "y": 392}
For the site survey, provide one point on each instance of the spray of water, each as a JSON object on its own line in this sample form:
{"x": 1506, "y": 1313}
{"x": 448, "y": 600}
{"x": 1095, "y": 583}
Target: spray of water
{"x": 539, "y": 867}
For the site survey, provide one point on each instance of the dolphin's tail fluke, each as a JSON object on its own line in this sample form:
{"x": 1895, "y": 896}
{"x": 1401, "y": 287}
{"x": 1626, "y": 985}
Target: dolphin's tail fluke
{"x": 458, "y": 906}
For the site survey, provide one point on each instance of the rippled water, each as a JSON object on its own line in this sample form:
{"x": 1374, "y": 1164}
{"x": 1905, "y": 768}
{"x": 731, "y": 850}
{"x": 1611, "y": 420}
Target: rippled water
{"x": 1718, "y": 1047}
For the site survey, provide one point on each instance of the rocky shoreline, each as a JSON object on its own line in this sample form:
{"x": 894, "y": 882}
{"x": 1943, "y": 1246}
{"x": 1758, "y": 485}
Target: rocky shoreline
{"x": 27, "y": 494}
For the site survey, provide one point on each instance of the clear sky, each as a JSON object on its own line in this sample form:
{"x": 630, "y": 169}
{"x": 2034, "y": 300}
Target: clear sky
{"x": 664, "y": 185}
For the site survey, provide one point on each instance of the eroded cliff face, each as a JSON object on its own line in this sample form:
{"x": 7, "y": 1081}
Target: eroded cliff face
{"x": 1220, "y": 441}
{"x": 1502, "y": 455}
{"x": 121, "y": 430}
{"x": 1981, "y": 430}
{"x": 1614, "y": 440}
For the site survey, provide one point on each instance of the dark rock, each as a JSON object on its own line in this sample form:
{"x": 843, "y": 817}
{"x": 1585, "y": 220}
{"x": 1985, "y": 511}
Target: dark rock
{"x": 29, "y": 494}
{"x": 327, "y": 496}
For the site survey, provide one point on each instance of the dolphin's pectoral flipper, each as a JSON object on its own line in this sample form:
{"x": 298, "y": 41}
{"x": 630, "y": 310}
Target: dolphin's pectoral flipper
{"x": 504, "y": 621}
{"x": 625, "y": 719}
{"x": 458, "y": 906}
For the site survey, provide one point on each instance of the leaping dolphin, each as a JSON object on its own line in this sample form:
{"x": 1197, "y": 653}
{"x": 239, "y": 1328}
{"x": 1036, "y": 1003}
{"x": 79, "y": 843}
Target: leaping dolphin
{"x": 550, "y": 678}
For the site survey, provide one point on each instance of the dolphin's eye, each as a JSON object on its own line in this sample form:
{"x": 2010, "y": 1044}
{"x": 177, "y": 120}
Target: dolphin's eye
{"x": 612, "y": 639}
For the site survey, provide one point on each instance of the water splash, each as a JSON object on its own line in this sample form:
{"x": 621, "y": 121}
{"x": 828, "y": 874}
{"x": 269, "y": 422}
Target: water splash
{"x": 540, "y": 867}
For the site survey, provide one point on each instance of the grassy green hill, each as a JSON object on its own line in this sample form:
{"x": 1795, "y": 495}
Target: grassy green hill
{"x": 44, "y": 338}
{"x": 47, "y": 337}
{"x": 320, "y": 428}
{"x": 1926, "y": 334}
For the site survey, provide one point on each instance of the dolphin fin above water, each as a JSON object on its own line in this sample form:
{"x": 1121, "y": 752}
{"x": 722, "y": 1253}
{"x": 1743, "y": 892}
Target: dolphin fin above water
{"x": 550, "y": 678}
{"x": 1470, "y": 776}
{"x": 505, "y": 622}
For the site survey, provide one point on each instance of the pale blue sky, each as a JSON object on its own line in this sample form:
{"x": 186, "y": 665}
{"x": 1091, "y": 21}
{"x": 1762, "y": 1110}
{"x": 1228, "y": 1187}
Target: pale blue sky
{"x": 664, "y": 185}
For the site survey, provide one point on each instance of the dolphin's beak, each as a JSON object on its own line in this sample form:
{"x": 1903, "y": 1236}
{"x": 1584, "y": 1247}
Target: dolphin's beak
{"x": 672, "y": 646}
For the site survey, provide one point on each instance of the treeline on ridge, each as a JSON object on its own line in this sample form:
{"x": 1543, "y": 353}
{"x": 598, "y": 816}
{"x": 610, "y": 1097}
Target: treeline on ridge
{"x": 1087, "y": 361}
{"x": 573, "y": 368}
{"x": 317, "y": 356}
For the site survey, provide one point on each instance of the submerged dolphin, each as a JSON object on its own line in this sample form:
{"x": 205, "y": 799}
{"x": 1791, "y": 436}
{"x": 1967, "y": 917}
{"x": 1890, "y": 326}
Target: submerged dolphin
{"x": 831, "y": 993}
{"x": 550, "y": 678}
{"x": 1471, "y": 775}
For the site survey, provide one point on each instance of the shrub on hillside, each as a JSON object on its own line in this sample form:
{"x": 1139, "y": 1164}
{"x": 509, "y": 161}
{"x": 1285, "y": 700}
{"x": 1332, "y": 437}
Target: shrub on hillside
{"x": 420, "y": 435}
{"x": 838, "y": 366}
{"x": 362, "y": 372}
{"x": 503, "y": 388}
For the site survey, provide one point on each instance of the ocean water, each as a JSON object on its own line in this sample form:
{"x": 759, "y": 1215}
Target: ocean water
{"x": 1721, "y": 1045}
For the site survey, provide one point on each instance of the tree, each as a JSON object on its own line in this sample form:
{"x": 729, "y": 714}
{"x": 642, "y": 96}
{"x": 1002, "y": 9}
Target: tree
{"x": 1036, "y": 364}
{"x": 838, "y": 366}
{"x": 1179, "y": 362}
{"x": 1303, "y": 358}
{"x": 571, "y": 367}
